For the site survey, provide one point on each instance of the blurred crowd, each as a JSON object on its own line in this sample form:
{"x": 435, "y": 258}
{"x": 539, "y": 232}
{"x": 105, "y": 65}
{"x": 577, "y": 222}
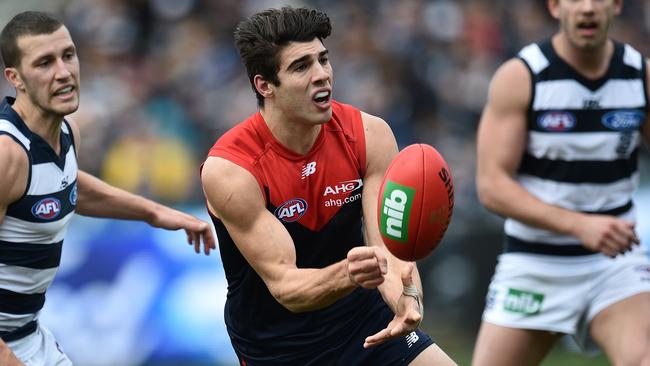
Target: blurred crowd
{"x": 161, "y": 81}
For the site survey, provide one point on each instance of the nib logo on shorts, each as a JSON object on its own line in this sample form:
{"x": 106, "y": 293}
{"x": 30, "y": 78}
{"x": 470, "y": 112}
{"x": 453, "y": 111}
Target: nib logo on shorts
{"x": 524, "y": 302}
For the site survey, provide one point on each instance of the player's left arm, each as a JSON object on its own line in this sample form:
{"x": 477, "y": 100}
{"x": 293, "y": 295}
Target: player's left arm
{"x": 381, "y": 148}
{"x": 100, "y": 199}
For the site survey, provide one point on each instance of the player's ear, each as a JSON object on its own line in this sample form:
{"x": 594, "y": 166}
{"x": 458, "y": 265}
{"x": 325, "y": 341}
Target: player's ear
{"x": 553, "y": 8}
{"x": 263, "y": 86}
{"x": 13, "y": 77}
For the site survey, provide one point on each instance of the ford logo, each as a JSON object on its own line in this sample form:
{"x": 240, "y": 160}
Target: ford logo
{"x": 623, "y": 120}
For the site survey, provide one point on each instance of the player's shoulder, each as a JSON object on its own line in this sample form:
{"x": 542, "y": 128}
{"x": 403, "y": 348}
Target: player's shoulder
{"x": 229, "y": 187}
{"x": 374, "y": 124}
{"x": 511, "y": 86}
{"x": 513, "y": 68}
{"x": 11, "y": 149}
{"x": 14, "y": 161}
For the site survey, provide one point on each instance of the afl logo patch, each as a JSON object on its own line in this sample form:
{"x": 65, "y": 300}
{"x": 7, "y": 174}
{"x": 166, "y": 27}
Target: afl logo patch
{"x": 73, "y": 194}
{"x": 557, "y": 121}
{"x": 47, "y": 209}
{"x": 291, "y": 210}
{"x": 623, "y": 120}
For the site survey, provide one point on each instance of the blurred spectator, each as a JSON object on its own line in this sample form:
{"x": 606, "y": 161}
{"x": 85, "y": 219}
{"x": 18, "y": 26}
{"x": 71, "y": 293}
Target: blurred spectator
{"x": 162, "y": 80}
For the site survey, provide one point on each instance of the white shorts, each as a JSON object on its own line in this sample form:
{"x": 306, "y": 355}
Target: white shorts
{"x": 560, "y": 293}
{"x": 39, "y": 349}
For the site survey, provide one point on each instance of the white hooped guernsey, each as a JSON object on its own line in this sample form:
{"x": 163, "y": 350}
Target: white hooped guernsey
{"x": 31, "y": 235}
{"x": 583, "y": 141}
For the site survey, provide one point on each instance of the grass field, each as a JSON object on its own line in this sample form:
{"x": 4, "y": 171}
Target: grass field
{"x": 461, "y": 352}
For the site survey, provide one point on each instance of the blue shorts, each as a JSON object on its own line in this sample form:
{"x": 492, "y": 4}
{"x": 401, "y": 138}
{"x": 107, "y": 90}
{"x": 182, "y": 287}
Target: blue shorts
{"x": 350, "y": 352}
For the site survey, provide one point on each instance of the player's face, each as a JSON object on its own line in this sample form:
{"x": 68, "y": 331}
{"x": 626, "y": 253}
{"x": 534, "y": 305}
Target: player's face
{"x": 305, "y": 88}
{"x": 48, "y": 73}
{"x": 585, "y": 23}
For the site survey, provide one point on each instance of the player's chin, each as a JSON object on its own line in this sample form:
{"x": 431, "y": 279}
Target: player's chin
{"x": 64, "y": 109}
{"x": 322, "y": 115}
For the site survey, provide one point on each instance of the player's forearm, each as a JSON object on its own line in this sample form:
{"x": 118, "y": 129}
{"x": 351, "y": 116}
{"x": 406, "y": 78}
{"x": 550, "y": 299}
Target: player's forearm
{"x": 506, "y": 197}
{"x": 392, "y": 288}
{"x": 308, "y": 289}
{"x": 7, "y": 357}
{"x": 99, "y": 199}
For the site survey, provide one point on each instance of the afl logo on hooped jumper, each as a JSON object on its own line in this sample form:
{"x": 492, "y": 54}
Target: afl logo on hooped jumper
{"x": 48, "y": 208}
{"x": 557, "y": 121}
{"x": 291, "y": 210}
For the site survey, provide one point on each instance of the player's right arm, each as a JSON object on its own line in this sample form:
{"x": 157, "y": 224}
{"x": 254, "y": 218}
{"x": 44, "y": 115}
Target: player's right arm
{"x": 13, "y": 182}
{"x": 235, "y": 197}
{"x": 501, "y": 143}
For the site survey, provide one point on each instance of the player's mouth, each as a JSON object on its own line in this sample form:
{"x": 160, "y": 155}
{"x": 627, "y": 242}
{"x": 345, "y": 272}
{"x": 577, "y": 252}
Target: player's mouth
{"x": 67, "y": 92}
{"x": 587, "y": 28}
{"x": 322, "y": 98}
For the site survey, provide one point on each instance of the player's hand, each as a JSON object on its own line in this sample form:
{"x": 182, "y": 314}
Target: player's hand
{"x": 407, "y": 318}
{"x": 367, "y": 266}
{"x": 197, "y": 230}
{"x": 7, "y": 357}
{"x": 606, "y": 234}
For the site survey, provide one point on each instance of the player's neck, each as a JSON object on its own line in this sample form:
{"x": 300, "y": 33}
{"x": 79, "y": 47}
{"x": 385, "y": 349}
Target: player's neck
{"x": 46, "y": 125}
{"x": 297, "y": 136}
{"x": 592, "y": 63}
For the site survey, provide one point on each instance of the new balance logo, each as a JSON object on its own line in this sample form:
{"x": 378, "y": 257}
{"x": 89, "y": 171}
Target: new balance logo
{"x": 308, "y": 169}
{"x": 411, "y": 338}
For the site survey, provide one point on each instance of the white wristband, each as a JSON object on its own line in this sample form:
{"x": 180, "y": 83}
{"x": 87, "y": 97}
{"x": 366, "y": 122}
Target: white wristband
{"x": 413, "y": 292}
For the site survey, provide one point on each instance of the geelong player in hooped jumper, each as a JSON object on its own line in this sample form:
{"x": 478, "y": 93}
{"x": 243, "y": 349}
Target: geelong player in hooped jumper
{"x": 288, "y": 188}
{"x": 557, "y": 156}
{"x": 41, "y": 186}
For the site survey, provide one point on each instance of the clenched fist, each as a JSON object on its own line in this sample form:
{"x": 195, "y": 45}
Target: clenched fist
{"x": 367, "y": 266}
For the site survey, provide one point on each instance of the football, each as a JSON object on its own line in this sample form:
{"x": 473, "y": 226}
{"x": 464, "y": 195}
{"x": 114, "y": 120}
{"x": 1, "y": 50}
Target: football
{"x": 416, "y": 201}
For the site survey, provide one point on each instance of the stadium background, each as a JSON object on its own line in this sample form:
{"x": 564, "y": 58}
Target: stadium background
{"x": 161, "y": 81}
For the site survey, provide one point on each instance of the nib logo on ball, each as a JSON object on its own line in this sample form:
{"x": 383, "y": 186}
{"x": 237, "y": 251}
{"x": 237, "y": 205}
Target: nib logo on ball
{"x": 396, "y": 210}
{"x": 415, "y": 202}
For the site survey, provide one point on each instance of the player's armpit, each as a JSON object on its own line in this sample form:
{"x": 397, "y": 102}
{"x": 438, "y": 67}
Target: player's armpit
{"x": 15, "y": 171}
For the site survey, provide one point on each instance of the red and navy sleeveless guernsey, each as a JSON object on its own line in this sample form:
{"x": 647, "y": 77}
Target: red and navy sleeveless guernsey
{"x": 317, "y": 196}
{"x": 31, "y": 235}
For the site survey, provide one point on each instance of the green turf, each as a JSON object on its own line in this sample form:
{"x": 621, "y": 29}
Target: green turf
{"x": 559, "y": 356}
{"x": 459, "y": 346}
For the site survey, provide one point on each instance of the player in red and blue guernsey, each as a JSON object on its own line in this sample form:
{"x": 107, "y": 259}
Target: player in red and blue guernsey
{"x": 292, "y": 190}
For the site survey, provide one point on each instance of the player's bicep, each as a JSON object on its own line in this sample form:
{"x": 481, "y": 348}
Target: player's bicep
{"x": 234, "y": 196}
{"x": 381, "y": 148}
{"x": 502, "y": 130}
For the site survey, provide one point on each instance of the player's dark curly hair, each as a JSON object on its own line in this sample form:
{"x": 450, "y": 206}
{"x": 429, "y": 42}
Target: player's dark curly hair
{"x": 260, "y": 38}
{"x": 27, "y": 23}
